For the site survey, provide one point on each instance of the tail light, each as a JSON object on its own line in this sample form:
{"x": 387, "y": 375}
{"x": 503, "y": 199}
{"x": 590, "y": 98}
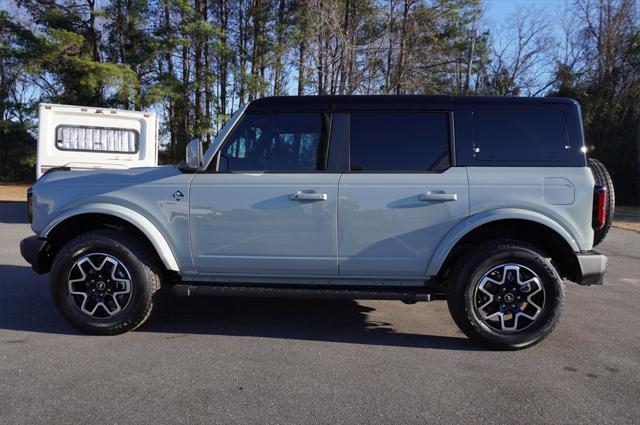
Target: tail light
{"x": 599, "y": 218}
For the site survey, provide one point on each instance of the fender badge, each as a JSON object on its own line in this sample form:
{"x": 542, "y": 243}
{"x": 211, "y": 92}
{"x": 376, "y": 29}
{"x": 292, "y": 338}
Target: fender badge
{"x": 178, "y": 195}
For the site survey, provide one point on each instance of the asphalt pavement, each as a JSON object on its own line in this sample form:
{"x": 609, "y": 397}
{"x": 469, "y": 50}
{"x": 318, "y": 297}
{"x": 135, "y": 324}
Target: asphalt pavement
{"x": 266, "y": 361}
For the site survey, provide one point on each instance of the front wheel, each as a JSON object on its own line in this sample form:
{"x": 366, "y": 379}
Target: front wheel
{"x": 505, "y": 294}
{"x": 103, "y": 282}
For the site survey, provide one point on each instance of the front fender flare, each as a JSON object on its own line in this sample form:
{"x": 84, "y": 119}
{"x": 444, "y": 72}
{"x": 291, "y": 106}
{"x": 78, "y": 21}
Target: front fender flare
{"x": 470, "y": 223}
{"x": 135, "y": 218}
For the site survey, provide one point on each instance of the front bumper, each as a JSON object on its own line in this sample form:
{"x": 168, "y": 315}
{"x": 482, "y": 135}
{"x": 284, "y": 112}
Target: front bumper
{"x": 590, "y": 267}
{"x": 35, "y": 251}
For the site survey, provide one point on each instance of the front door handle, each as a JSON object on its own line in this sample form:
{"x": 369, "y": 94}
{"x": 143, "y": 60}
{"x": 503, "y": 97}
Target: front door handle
{"x": 438, "y": 196}
{"x": 308, "y": 196}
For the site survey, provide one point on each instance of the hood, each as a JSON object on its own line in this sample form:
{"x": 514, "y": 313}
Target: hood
{"x": 111, "y": 177}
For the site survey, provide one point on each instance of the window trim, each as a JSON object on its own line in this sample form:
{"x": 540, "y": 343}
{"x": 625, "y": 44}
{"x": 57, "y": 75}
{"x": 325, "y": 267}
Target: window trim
{"x": 215, "y": 162}
{"x": 338, "y": 160}
{"x": 135, "y": 132}
{"x": 451, "y": 145}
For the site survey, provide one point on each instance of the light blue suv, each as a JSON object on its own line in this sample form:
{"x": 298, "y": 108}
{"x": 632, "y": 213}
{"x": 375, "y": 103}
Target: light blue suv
{"x": 486, "y": 202}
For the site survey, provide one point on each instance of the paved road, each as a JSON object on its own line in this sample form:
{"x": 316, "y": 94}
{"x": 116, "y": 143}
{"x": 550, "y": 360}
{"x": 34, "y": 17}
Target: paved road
{"x": 335, "y": 362}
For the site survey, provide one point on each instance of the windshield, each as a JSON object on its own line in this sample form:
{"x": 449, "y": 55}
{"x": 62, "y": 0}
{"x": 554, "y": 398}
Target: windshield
{"x": 208, "y": 155}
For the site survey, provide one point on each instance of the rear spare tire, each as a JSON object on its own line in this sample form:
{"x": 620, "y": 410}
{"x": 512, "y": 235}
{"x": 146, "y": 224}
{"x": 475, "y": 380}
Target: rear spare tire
{"x": 602, "y": 178}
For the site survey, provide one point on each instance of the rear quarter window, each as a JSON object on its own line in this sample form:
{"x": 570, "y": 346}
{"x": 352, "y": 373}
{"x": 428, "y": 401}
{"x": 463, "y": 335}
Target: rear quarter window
{"x": 501, "y": 135}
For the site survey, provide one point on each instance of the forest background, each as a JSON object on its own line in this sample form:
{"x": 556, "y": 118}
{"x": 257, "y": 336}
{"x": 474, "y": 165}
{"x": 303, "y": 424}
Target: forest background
{"x": 195, "y": 61}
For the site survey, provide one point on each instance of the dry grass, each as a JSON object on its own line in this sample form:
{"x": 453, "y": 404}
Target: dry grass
{"x": 627, "y": 225}
{"x": 13, "y": 192}
{"x": 627, "y": 218}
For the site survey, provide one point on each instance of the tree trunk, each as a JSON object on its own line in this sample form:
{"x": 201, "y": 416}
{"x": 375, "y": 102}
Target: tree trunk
{"x": 256, "y": 15}
{"x": 277, "y": 68}
{"x": 168, "y": 57}
{"x": 470, "y": 63}
{"x": 346, "y": 48}
{"x": 390, "y": 36}
{"x": 183, "y": 112}
{"x": 401, "y": 54}
{"x": 243, "y": 51}
{"x": 223, "y": 66}
{"x": 328, "y": 81}
{"x": 320, "y": 63}
{"x": 301, "y": 67}
{"x": 208, "y": 96}
{"x": 198, "y": 68}
{"x": 94, "y": 39}
{"x": 351, "y": 58}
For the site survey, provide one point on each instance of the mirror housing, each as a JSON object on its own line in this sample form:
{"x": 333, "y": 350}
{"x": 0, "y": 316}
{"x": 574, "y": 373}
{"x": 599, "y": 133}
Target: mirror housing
{"x": 193, "y": 156}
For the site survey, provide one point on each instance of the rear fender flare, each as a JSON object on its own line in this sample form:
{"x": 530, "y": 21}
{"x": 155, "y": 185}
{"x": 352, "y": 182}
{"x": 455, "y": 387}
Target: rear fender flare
{"x": 470, "y": 223}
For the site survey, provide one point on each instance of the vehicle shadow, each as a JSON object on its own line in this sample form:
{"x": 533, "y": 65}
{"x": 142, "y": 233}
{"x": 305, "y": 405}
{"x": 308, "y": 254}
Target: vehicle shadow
{"x": 13, "y": 212}
{"x": 26, "y": 305}
{"x": 343, "y": 321}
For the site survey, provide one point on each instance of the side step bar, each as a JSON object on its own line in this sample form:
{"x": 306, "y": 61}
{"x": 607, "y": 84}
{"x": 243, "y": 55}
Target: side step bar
{"x": 407, "y": 295}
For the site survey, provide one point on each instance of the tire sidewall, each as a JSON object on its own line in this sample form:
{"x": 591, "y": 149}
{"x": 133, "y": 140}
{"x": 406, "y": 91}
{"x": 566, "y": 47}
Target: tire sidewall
{"x": 83, "y": 246}
{"x": 475, "y": 327}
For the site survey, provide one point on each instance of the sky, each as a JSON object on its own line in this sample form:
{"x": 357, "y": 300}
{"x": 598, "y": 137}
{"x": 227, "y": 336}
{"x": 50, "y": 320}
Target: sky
{"x": 499, "y": 9}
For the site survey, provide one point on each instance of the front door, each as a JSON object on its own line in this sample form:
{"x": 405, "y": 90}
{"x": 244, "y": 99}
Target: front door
{"x": 268, "y": 207}
{"x": 401, "y": 196}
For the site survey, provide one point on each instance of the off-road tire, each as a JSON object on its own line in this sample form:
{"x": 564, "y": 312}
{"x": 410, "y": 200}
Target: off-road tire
{"x": 478, "y": 261}
{"x": 141, "y": 263}
{"x": 602, "y": 178}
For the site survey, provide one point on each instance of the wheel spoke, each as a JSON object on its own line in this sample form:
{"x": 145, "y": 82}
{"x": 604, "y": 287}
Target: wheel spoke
{"x": 99, "y": 285}
{"x": 515, "y": 300}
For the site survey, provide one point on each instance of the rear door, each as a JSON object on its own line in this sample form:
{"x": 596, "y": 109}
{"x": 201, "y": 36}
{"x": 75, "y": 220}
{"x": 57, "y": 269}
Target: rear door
{"x": 401, "y": 195}
{"x": 83, "y": 137}
{"x": 270, "y": 206}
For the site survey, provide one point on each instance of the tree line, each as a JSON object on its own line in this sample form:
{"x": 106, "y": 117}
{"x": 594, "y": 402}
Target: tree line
{"x": 196, "y": 61}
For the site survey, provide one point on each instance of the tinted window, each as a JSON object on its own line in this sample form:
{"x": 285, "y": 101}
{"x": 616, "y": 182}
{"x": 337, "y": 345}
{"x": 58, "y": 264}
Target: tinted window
{"x": 277, "y": 142}
{"x": 399, "y": 141}
{"x": 508, "y": 135}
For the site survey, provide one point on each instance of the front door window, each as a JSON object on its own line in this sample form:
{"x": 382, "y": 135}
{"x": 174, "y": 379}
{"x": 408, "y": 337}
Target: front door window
{"x": 283, "y": 142}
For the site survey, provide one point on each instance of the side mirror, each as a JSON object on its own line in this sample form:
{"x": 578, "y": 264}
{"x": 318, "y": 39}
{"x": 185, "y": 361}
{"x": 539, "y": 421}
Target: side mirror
{"x": 194, "y": 154}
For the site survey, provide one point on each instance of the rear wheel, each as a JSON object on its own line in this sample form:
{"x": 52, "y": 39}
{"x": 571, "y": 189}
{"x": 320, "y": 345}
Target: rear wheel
{"x": 505, "y": 294}
{"x": 104, "y": 282}
{"x": 602, "y": 178}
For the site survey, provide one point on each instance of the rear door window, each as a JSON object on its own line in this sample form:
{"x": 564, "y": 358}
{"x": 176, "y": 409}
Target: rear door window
{"x": 399, "y": 141}
{"x": 520, "y": 136}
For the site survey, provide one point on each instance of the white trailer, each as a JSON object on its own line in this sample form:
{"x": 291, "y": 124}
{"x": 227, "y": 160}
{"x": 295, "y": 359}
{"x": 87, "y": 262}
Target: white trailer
{"x": 83, "y": 137}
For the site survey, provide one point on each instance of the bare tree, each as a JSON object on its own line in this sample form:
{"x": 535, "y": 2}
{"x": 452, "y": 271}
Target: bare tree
{"x": 522, "y": 60}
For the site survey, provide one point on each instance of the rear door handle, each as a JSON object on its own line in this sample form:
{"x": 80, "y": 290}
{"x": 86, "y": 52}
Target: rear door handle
{"x": 438, "y": 196}
{"x": 304, "y": 196}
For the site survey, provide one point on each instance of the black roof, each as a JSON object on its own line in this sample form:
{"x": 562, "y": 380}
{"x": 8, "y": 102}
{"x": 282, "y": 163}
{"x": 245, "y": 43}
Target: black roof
{"x": 342, "y": 102}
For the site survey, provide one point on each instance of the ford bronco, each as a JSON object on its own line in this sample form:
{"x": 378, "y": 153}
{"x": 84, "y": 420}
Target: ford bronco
{"x": 486, "y": 202}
